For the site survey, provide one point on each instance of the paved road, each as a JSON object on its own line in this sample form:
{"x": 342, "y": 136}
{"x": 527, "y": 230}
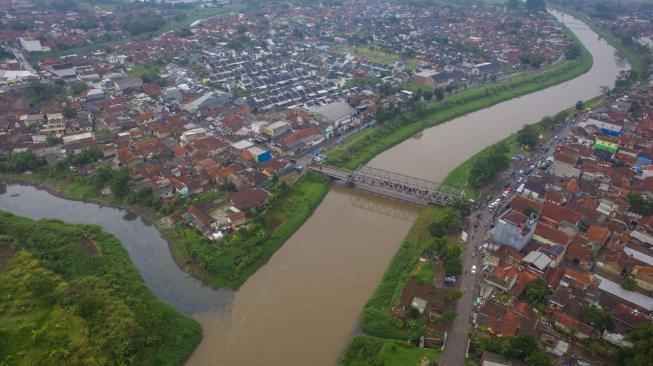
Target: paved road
{"x": 456, "y": 344}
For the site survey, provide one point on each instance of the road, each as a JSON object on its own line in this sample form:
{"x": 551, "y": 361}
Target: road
{"x": 455, "y": 347}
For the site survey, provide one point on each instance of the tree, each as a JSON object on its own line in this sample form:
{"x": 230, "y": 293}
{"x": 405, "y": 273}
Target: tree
{"x": 119, "y": 183}
{"x": 580, "y": 105}
{"x": 69, "y": 112}
{"x": 439, "y": 93}
{"x": 488, "y": 165}
{"x": 536, "y": 292}
{"x": 447, "y": 225}
{"x": 512, "y": 4}
{"x": 184, "y": 32}
{"x": 20, "y": 162}
{"x": 78, "y": 87}
{"x": 536, "y": 5}
{"x": 530, "y": 210}
{"x": 573, "y": 52}
{"x": 538, "y": 358}
{"x": 597, "y": 317}
{"x": 448, "y": 317}
{"x": 454, "y": 295}
{"x": 528, "y": 136}
{"x": 629, "y": 283}
{"x": 641, "y": 353}
{"x": 51, "y": 140}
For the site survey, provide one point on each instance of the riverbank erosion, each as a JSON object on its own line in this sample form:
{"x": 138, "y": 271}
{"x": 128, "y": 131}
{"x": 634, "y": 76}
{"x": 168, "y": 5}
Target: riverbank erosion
{"x": 74, "y": 286}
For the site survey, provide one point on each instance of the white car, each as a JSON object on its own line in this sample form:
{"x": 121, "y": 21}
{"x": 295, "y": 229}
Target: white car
{"x": 473, "y": 271}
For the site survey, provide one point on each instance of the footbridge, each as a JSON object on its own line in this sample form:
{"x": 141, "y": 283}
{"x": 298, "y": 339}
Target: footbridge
{"x": 394, "y": 185}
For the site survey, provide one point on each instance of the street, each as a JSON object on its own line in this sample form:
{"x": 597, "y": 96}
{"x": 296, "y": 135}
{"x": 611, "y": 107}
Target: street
{"x": 455, "y": 347}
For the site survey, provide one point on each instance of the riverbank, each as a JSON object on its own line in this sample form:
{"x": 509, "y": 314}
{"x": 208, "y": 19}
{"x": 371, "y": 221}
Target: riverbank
{"x": 57, "y": 276}
{"x": 459, "y": 177}
{"x": 635, "y": 58}
{"x": 364, "y": 146}
{"x": 230, "y": 262}
{"x": 220, "y": 265}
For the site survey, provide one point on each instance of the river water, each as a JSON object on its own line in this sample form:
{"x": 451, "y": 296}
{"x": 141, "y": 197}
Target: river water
{"x": 303, "y": 305}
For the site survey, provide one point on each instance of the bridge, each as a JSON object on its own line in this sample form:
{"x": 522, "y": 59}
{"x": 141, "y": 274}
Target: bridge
{"x": 394, "y": 185}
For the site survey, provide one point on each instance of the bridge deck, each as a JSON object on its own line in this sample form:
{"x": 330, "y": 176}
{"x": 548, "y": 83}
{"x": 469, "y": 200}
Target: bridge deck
{"x": 394, "y": 185}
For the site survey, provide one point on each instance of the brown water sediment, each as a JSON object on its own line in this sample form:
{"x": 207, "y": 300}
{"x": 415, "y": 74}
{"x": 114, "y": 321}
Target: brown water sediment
{"x": 300, "y": 307}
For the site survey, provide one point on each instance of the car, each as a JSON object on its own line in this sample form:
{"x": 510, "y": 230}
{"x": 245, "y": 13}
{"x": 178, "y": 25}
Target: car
{"x": 473, "y": 270}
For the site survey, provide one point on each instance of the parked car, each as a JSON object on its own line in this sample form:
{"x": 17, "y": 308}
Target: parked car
{"x": 473, "y": 270}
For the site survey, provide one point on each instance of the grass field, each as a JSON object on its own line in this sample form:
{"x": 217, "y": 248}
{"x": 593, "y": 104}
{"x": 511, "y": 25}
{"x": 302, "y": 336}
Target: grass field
{"x": 364, "y": 351}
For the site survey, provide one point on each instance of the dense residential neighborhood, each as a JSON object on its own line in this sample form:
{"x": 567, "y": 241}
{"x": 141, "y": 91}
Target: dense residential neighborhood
{"x": 224, "y": 124}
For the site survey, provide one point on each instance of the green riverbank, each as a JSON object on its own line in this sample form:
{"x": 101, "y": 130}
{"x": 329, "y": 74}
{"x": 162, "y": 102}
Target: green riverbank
{"x": 228, "y": 263}
{"x": 362, "y": 147}
{"x": 70, "y": 295}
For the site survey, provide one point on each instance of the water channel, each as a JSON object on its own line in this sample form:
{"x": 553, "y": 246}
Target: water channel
{"x": 303, "y": 305}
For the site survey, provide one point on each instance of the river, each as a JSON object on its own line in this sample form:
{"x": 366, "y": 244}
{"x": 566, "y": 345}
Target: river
{"x": 303, "y": 305}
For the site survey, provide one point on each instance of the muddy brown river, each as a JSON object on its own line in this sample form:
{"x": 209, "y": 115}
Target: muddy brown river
{"x": 301, "y": 308}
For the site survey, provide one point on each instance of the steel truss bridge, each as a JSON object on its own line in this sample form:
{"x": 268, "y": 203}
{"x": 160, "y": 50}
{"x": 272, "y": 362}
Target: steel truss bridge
{"x": 394, "y": 185}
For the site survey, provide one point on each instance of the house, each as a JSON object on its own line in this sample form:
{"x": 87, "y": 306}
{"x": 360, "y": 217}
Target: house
{"x": 198, "y": 218}
{"x": 514, "y": 229}
{"x": 208, "y": 100}
{"x": 300, "y": 140}
{"x": 576, "y": 280}
{"x": 485, "y": 69}
{"x": 569, "y": 324}
{"x": 494, "y": 359}
{"x": 629, "y": 316}
{"x": 127, "y": 84}
{"x": 336, "y": 114}
{"x": 33, "y": 45}
{"x": 248, "y": 198}
{"x": 504, "y": 277}
{"x": 614, "y": 291}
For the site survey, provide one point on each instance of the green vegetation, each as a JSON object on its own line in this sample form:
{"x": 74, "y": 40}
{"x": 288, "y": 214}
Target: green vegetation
{"x": 143, "y": 23}
{"x": 43, "y": 94}
{"x": 523, "y": 347}
{"x": 486, "y": 168}
{"x": 78, "y": 87}
{"x": 639, "y": 204}
{"x": 370, "y": 142}
{"x": 597, "y": 317}
{"x": 365, "y": 350}
{"x": 70, "y": 295}
{"x": 638, "y": 60}
{"x": 536, "y": 293}
{"x": 148, "y": 72}
{"x": 629, "y": 283}
{"x": 425, "y": 274}
{"x": 239, "y": 255}
{"x": 642, "y": 351}
{"x": 461, "y": 175}
{"x": 376, "y": 319}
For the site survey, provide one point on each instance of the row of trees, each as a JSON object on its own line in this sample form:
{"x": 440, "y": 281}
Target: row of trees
{"x": 449, "y": 253}
{"x": 488, "y": 165}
